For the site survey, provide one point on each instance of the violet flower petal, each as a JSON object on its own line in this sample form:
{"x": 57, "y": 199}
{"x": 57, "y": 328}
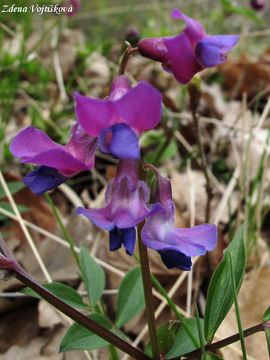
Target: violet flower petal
{"x": 194, "y": 30}
{"x": 34, "y": 146}
{"x": 183, "y": 62}
{"x": 140, "y": 108}
{"x": 93, "y": 115}
{"x": 172, "y": 258}
{"x": 43, "y": 179}
{"x": 59, "y": 159}
{"x": 120, "y": 141}
{"x": 99, "y": 217}
{"x": 190, "y": 241}
{"x": 212, "y": 50}
{"x": 30, "y": 142}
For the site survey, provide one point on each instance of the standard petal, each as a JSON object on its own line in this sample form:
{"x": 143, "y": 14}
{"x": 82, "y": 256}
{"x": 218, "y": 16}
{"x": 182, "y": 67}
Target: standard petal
{"x": 120, "y": 141}
{"x": 129, "y": 239}
{"x": 93, "y": 115}
{"x": 212, "y": 50}
{"x": 194, "y": 30}
{"x": 183, "y": 62}
{"x": 99, "y": 217}
{"x": 176, "y": 259}
{"x": 31, "y": 142}
{"x": 59, "y": 159}
{"x": 43, "y": 179}
{"x": 140, "y": 108}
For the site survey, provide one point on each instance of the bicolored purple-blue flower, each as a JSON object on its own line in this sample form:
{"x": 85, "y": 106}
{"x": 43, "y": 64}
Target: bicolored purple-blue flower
{"x": 125, "y": 207}
{"x": 56, "y": 162}
{"x": 191, "y": 51}
{"x": 175, "y": 245}
{"x": 119, "y": 119}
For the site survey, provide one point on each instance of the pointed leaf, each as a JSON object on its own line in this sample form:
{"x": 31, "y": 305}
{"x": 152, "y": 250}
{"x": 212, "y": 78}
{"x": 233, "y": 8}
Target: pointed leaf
{"x": 220, "y": 293}
{"x": 79, "y": 338}
{"x": 183, "y": 343}
{"x": 130, "y": 299}
{"x": 93, "y": 276}
{"x": 165, "y": 337}
{"x": 64, "y": 292}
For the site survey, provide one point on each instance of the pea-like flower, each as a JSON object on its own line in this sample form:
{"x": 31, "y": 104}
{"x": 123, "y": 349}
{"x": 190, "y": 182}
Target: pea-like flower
{"x": 191, "y": 51}
{"x": 119, "y": 119}
{"x": 125, "y": 207}
{"x": 175, "y": 245}
{"x": 57, "y": 162}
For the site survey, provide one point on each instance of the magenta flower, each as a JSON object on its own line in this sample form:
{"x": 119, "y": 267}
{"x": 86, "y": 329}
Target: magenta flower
{"x": 191, "y": 51}
{"x": 119, "y": 119}
{"x": 125, "y": 207}
{"x": 175, "y": 246}
{"x": 57, "y": 162}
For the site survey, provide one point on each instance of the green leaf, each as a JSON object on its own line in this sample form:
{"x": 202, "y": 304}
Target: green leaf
{"x": 266, "y": 315}
{"x": 79, "y": 338}
{"x": 64, "y": 292}
{"x": 210, "y": 356}
{"x": 183, "y": 343}
{"x": 130, "y": 299}
{"x": 220, "y": 293}
{"x": 93, "y": 276}
{"x": 165, "y": 337}
{"x": 14, "y": 186}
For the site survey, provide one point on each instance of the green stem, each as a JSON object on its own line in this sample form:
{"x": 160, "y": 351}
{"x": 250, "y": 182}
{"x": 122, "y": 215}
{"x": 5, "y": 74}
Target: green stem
{"x": 148, "y": 296}
{"x": 66, "y": 234}
{"x": 237, "y": 310}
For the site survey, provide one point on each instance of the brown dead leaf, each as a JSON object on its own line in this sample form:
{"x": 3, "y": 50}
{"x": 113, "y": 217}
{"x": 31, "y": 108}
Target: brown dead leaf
{"x": 247, "y": 76}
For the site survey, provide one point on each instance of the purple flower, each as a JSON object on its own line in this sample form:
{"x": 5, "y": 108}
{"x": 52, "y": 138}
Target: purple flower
{"x": 125, "y": 207}
{"x": 175, "y": 246}
{"x": 258, "y": 4}
{"x": 57, "y": 162}
{"x": 119, "y": 119}
{"x": 191, "y": 51}
{"x": 76, "y": 5}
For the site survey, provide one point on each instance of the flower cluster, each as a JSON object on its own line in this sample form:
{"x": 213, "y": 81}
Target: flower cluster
{"x": 113, "y": 125}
